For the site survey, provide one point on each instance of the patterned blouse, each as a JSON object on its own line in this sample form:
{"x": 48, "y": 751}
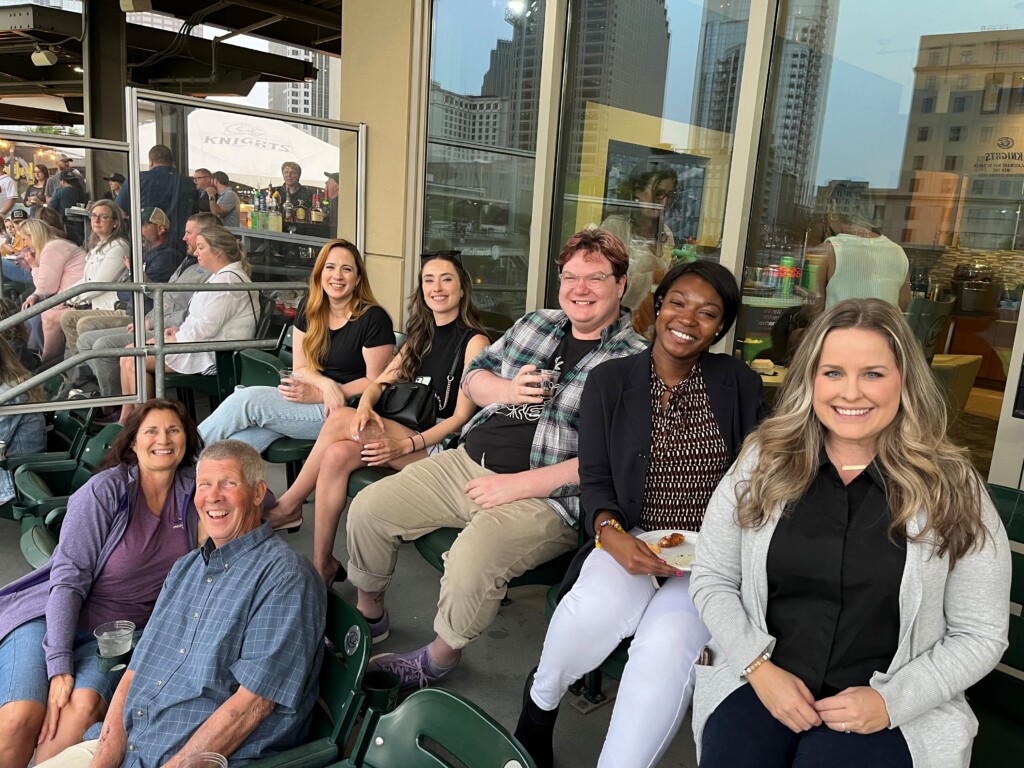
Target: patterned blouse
{"x": 688, "y": 455}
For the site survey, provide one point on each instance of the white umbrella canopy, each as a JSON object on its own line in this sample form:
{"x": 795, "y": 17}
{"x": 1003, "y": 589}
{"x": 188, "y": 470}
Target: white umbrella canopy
{"x": 250, "y": 150}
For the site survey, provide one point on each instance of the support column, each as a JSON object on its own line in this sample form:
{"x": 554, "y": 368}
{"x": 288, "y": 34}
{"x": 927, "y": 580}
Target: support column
{"x": 104, "y": 62}
{"x": 384, "y": 73}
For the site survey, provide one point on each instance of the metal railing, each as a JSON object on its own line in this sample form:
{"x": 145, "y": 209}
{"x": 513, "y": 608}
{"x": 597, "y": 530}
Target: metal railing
{"x": 160, "y": 348}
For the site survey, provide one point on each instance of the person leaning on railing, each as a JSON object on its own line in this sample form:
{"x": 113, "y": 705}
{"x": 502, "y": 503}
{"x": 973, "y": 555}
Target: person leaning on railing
{"x": 56, "y": 265}
{"x": 212, "y": 315}
{"x": 107, "y": 370}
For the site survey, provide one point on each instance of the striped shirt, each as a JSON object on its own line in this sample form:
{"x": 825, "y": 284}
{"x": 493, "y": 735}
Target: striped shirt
{"x": 688, "y": 455}
{"x": 536, "y": 337}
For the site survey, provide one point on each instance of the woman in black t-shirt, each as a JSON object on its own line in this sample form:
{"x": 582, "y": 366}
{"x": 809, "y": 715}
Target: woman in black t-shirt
{"x": 342, "y": 342}
{"x": 443, "y": 323}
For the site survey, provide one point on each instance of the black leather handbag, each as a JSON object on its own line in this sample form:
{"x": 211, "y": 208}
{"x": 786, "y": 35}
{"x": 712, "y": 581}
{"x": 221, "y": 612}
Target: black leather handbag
{"x": 414, "y": 404}
{"x": 408, "y": 403}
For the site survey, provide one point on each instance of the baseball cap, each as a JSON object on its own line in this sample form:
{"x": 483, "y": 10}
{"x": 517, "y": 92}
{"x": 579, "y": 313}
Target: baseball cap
{"x": 66, "y": 159}
{"x": 114, "y": 177}
{"x": 68, "y": 176}
{"x": 19, "y": 214}
{"x": 155, "y": 216}
{"x": 332, "y": 176}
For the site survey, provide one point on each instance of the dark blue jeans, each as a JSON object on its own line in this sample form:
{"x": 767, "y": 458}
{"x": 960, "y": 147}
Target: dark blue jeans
{"x": 741, "y": 733}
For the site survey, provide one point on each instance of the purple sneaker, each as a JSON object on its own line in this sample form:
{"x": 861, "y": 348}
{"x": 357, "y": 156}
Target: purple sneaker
{"x": 412, "y": 668}
{"x": 380, "y": 629}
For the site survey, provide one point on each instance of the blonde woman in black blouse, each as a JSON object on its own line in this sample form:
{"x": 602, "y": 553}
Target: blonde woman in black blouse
{"x": 852, "y": 569}
{"x": 657, "y": 432}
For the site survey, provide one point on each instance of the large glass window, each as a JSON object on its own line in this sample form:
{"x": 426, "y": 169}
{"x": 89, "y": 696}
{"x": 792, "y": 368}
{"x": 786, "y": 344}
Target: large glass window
{"x": 648, "y": 115}
{"x": 482, "y": 135}
{"x": 890, "y": 165}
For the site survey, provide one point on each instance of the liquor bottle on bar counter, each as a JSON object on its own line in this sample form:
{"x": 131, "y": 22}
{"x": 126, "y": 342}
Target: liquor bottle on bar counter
{"x": 288, "y": 210}
{"x": 317, "y": 214}
{"x": 301, "y": 212}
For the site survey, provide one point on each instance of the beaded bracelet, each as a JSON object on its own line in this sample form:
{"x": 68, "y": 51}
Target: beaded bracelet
{"x": 610, "y": 522}
{"x": 756, "y": 663}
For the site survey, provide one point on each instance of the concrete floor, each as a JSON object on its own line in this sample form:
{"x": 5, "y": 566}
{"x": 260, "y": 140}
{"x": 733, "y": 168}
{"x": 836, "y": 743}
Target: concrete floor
{"x": 492, "y": 671}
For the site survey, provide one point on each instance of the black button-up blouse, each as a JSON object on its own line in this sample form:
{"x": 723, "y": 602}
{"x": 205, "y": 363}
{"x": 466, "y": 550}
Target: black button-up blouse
{"x": 834, "y": 582}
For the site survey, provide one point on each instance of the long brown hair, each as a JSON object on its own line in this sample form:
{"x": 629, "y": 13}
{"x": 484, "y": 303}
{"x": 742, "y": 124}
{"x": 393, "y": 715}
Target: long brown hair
{"x": 421, "y": 326}
{"x": 12, "y": 372}
{"x": 317, "y": 340}
{"x": 923, "y": 469}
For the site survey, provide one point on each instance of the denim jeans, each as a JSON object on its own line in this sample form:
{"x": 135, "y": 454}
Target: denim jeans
{"x": 259, "y": 416}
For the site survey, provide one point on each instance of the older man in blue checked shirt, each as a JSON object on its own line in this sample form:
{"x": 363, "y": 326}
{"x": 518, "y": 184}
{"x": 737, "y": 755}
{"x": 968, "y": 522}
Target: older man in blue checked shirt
{"x": 229, "y": 661}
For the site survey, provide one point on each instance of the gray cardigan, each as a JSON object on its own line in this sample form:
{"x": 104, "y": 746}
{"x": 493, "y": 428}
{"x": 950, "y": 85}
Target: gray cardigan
{"x": 953, "y": 624}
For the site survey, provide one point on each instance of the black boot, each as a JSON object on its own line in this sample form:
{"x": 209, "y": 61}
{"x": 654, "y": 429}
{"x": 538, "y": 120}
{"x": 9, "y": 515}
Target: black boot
{"x": 536, "y": 729}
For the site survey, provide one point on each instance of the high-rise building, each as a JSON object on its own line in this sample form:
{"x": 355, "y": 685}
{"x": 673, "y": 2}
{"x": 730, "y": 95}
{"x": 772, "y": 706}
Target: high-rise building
{"x": 621, "y": 60}
{"x": 312, "y": 98}
{"x": 498, "y": 77}
{"x": 962, "y": 175}
{"x": 799, "y": 82}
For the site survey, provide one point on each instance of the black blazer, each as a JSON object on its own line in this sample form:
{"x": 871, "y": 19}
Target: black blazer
{"x": 615, "y": 432}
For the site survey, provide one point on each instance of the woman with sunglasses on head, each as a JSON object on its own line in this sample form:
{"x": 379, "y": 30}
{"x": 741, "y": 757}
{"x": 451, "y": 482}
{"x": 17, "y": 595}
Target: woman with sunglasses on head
{"x": 658, "y": 430}
{"x": 653, "y": 188}
{"x": 56, "y": 265}
{"x": 852, "y": 570}
{"x": 342, "y": 340}
{"x": 444, "y": 327}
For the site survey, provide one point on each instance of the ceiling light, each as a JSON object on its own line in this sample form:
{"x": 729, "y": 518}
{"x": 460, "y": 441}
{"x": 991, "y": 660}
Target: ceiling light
{"x": 136, "y": 6}
{"x": 79, "y": 70}
{"x": 43, "y": 58}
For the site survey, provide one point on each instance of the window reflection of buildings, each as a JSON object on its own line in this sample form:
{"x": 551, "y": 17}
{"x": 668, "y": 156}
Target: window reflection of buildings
{"x": 795, "y": 113}
{"x": 968, "y": 96}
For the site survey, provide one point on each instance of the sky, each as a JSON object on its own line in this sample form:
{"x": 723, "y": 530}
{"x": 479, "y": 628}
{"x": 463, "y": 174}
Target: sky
{"x": 871, "y": 78}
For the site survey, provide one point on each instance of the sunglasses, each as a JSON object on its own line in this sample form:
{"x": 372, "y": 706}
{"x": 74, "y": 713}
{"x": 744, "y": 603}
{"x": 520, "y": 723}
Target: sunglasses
{"x": 455, "y": 256}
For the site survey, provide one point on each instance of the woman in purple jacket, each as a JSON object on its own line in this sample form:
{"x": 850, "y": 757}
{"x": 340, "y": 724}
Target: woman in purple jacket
{"x": 123, "y": 531}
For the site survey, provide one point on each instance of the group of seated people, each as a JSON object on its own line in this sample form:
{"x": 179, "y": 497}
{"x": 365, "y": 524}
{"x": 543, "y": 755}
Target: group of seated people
{"x": 851, "y": 577}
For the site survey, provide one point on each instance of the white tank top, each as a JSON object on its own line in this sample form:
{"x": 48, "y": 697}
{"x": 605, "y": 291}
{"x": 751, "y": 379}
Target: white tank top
{"x": 866, "y": 268}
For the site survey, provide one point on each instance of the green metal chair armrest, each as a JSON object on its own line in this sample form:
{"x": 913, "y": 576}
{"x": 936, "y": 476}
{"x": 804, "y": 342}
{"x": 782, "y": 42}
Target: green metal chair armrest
{"x": 11, "y": 463}
{"x": 316, "y": 754}
{"x": 48, "y": 467}
{"x": 37, "y": 545}
{"x": 259, "y": 368}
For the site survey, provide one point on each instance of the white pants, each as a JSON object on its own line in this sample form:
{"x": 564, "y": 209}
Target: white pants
{"x": 606, "y": 605}
{"x": 77, "y": 756}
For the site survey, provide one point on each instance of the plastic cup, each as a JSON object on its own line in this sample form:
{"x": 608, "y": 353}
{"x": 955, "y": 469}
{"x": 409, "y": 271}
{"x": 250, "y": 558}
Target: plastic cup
{"x": 370, "y": 433}
{"x": 204, "y": 760}
{"x": 381, "y": 690}
{"x": 288, "y": 376}
{"x": 548, "y": 383}
{"x": 114, "y": 638}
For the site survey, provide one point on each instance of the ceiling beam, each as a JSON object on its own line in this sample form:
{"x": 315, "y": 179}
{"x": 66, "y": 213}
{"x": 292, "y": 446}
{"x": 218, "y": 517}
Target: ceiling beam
{"x": 15, "y": 114}
{"x": 307, "y": 14}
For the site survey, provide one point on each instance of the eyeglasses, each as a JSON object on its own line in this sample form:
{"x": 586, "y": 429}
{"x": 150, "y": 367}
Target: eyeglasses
{"x": 661, "y": 195}
{"x": 455, "y": 256}
{"x": 100, "y": 216}
{"x": 570, "y": 280}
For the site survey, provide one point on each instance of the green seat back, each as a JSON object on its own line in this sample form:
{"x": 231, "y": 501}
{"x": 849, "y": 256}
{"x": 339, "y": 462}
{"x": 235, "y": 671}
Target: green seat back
{"x": 431, "y": 727}
{"x": 341, "y": 695}
{"x": 998, "y": 699}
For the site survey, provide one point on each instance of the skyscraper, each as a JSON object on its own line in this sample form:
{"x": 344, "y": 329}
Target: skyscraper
{"x": 796, "y": 93}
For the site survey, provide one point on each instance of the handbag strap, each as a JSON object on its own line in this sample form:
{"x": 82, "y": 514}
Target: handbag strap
{"x": 460, "y": 354}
